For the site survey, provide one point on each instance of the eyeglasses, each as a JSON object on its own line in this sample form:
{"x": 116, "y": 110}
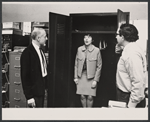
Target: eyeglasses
{"x": 43, "y": 36}
{"x": 117, "y": 34}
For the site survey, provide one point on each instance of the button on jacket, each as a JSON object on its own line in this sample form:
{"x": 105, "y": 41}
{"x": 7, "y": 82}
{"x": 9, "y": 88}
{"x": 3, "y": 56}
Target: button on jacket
{"x": 93, "y": 61}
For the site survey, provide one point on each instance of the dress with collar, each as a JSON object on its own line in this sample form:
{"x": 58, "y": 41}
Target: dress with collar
{"x": 88, "y": 65}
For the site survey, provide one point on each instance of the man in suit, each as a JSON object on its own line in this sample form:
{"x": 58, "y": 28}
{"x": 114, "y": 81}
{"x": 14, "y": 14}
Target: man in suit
{"x": 34, "y": 69}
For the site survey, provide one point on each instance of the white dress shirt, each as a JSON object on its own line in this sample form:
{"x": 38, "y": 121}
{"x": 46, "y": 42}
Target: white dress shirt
{"x": 131, "y": 72}
{"x": 40, "y": 57}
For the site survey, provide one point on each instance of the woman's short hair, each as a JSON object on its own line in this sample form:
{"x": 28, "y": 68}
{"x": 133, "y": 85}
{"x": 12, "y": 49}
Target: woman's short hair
{"x": 36, "y": 32}
{"x": 89, "y": 36}
{"x": 129, "y": 32}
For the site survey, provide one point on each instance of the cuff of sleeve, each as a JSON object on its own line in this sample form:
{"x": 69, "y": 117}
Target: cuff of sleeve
{"x": 96, "y": 80}
{"x": 31, "y": 100}
{"x": 75, "y": 79}
{"x": 131, "y": 104}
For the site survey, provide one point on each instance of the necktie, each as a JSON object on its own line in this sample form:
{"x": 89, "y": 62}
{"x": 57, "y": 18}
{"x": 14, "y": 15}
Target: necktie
{"x": 43, "y": 62}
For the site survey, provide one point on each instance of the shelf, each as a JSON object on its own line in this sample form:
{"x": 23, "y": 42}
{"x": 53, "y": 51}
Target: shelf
{"x": 3, "y": 71}
{"x": 3, "y": 91}
{"x": 100, "y": 32}
{"x": 12, "y": 31}
{"x": 4, "y": 51}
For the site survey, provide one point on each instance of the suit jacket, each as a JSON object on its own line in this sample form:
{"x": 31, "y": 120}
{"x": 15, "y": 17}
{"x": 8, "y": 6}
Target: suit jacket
{"x": 31, "y": 73}
{"x": 93, "y": 61}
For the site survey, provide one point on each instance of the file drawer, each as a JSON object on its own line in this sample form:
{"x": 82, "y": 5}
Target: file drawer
{"x": 16, "y": 95}
{"x": 14, "y": 73}
{"x": 16, "y": 85}
{"x": 14, "y": 77}
{"x": 14, "y": 60}
{"x": 18, "y": 104}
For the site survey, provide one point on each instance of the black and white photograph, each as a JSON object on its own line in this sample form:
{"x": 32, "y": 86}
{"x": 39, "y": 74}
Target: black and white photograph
{"x": 74, "y": 60}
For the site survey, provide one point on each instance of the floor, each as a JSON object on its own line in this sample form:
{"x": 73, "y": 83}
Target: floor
{"x": 45, "y": 100}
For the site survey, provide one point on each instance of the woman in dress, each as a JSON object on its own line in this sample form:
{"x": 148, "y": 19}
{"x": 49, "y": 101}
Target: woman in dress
{"x": 87, "y": 72}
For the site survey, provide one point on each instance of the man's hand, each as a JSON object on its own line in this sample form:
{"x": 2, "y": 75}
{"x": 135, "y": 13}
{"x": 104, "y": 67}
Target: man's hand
{"x": 31, "y": 103}
{"x": 146, "y": 92}
{"x": 131, "y": 104}
{"x": 118, "y": 49}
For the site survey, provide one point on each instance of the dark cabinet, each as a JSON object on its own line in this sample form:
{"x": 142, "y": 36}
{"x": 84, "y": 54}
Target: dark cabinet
{"x": 66, "y": 34}
{"x": 58, "y": 70}
{"x": 13, "y": 40}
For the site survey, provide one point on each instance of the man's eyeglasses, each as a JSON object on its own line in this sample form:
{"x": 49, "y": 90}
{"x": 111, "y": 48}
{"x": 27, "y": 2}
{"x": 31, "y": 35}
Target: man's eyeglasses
{"x": 43, "y": 36}
{"x": 117, "y": 34}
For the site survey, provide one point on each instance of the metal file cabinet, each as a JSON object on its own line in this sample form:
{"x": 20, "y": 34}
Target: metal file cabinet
{"x": 16, "y": 96}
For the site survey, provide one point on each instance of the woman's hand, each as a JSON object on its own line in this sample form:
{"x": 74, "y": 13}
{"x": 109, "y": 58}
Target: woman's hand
{"x": 76, "y": 81}
{"x": 94, "y": 84}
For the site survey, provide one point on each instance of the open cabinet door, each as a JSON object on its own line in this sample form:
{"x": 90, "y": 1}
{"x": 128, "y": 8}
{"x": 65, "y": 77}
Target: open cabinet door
{"x": 58, "y": 69}
{"x": 123, "y": 17}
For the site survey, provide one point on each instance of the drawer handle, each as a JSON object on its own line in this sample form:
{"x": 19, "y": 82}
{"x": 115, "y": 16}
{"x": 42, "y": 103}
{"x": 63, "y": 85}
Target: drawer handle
{"x": 17, "y": 99}
{"x": 16, "y": 106}
{"x": 17, "y": 83}
{"x": 17, "y": 74}
{"x": 18, "y": 67}
{"x": 17, "y": 91}
{"x": 17, "y": 58}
